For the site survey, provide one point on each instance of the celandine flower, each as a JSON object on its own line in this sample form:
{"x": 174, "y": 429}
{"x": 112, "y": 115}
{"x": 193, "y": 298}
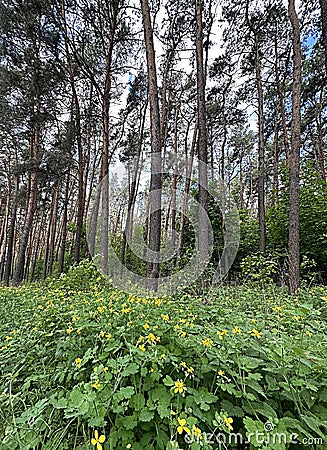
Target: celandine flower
{"x": 98, "y": 440}
{"x": 182, "y": 427}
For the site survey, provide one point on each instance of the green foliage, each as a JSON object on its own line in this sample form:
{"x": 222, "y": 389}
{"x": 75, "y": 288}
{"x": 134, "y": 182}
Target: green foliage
{"x": 313, "y": 222}
{"x": 259, "y": 267}
{"x": 150, "y": 373}
{"x": 79, "y": 277}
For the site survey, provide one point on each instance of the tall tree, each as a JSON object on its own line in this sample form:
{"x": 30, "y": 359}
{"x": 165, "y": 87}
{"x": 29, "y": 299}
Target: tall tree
{"x": 323, "y": 9}
{"x": 294, "y": 162}
{"x": 156, "y": 154}
{"x": 261, "y": 154}
{"x": 202, "y": 137}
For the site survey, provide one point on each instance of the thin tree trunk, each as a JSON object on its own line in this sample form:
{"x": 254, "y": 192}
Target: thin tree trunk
{"x": 53, "y": 228}
{"x": 189, "y": 167}
{"x": 81, "y": 189}
{"x": 35, "y": 150}
{"x": 133, "y": 188}
{"x": 175, "y": 178}
{"x": 281, "y": 103}
{"x": 276, "y": 165}
{"x": 64, "y": 228}
{"x": 261, "y": 149}
{"x": 156, "y": 156}
{"x": 323, "y": 8}
{"x": 294, "y": 195}
{"x": 202, "y": 138}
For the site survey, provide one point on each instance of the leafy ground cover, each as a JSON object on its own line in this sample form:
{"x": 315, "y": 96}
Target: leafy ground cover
{"x": 98, "y": 368}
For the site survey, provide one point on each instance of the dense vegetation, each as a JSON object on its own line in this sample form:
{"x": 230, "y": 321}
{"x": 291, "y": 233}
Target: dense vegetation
{"x": 163, "y": 245}
{"x": 75, "y": 362}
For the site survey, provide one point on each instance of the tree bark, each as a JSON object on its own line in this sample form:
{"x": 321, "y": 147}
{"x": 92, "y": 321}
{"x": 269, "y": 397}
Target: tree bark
{"x": 35, "y": 150}
{"x": 156, "y": 155}
{"x": 294, "y": 195}
{"x": 81, "y": 189}
{"x": 202, "y": 138}
{"x": 261, "y": 149}
{"x": 323, "y": 8}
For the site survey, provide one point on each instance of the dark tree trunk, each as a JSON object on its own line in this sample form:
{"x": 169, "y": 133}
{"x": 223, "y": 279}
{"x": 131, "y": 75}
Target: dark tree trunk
{"x": 294, "y": 195}
{"x": 156, "y": 156}
{"x": 261, "y": 149}
{"x": 64, "y": 228}
{"x": 323, "y": 7}
{"x": 35, "y": 150}
{"x": 133, "y": 188}
{"x": 202, "y": 138}
{"x": 11, "y": 235}
{"x": 189, "y": 167}
{"x": 78, "y": 131}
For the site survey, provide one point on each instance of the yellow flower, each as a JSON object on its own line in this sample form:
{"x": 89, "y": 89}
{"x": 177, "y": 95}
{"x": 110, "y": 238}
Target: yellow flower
{"x": 277, "y": 309}
{"x": 182, "y": 427}
{"x": 237, "y": 330}
{"x": 253, "y": 321}
{"x": 163, "y": 356}
{"x": 165, "y": 317}
{"x": 98, "y": 440}
{"x": 221, "y": 373}
{"x": 78, "y": 362}
{"x": 207, "y": 342}
{"x": 96, "y": 386}
{"x": 140, "y": 339}
{"x": 146, "y": 326}
{"x": 183, "y": 364}
{"x": 105, "y": 369}
{"x": 173, "y": 413}
{"x": 129, "y": 446}
{"x": 221, "y": 334}
{"x": 152, "y": 338}
{"x": 69, "y": 329}
{"x": 255, "y": 333}
{"x": 228, "y": 422}
{"x": 197, "y": 431}
{"x": 308, "y": 333}
{"x": 180, "y": 387}
{"x": 190, "y": 370}
{"x": 108, "y": 336}
{"x": 297, "y": 317}
{"x": 142, "y": 348}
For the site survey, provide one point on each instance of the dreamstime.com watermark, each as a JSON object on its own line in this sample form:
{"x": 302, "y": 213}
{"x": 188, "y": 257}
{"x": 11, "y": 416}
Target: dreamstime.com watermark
{"x": 266, "y": 437}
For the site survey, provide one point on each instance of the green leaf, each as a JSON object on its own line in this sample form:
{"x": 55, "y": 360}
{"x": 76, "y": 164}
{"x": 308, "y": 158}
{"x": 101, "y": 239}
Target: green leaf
{"x": 124, "y": 393}
{"x": 131, "y": 369}
{"x": 146, "y": 415}
{"x": 168, "y": 381}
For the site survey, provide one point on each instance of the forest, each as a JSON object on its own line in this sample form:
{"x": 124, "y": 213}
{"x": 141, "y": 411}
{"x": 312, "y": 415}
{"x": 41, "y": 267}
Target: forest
{"x": 163, "y": 224}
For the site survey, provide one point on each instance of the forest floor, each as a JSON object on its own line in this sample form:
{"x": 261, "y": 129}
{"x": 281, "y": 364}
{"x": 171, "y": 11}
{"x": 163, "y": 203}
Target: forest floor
{"x": 99, "y": 368}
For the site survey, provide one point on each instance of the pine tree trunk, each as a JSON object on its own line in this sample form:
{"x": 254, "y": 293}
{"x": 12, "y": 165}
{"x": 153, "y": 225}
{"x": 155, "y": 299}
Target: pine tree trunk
{"x": 294, "y": 195}
{"x": 189, "y": 167}
{"x": 323, "y": 8}
{"x": 202, "y": 138}
{"x": 156, "y": 156}
{"x": 64, "y": 228}
{"x": 35, "y": 149}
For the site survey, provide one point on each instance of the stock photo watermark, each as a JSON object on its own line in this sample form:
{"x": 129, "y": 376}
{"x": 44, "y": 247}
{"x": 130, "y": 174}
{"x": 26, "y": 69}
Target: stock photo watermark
{"x": 269, "y": 436}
